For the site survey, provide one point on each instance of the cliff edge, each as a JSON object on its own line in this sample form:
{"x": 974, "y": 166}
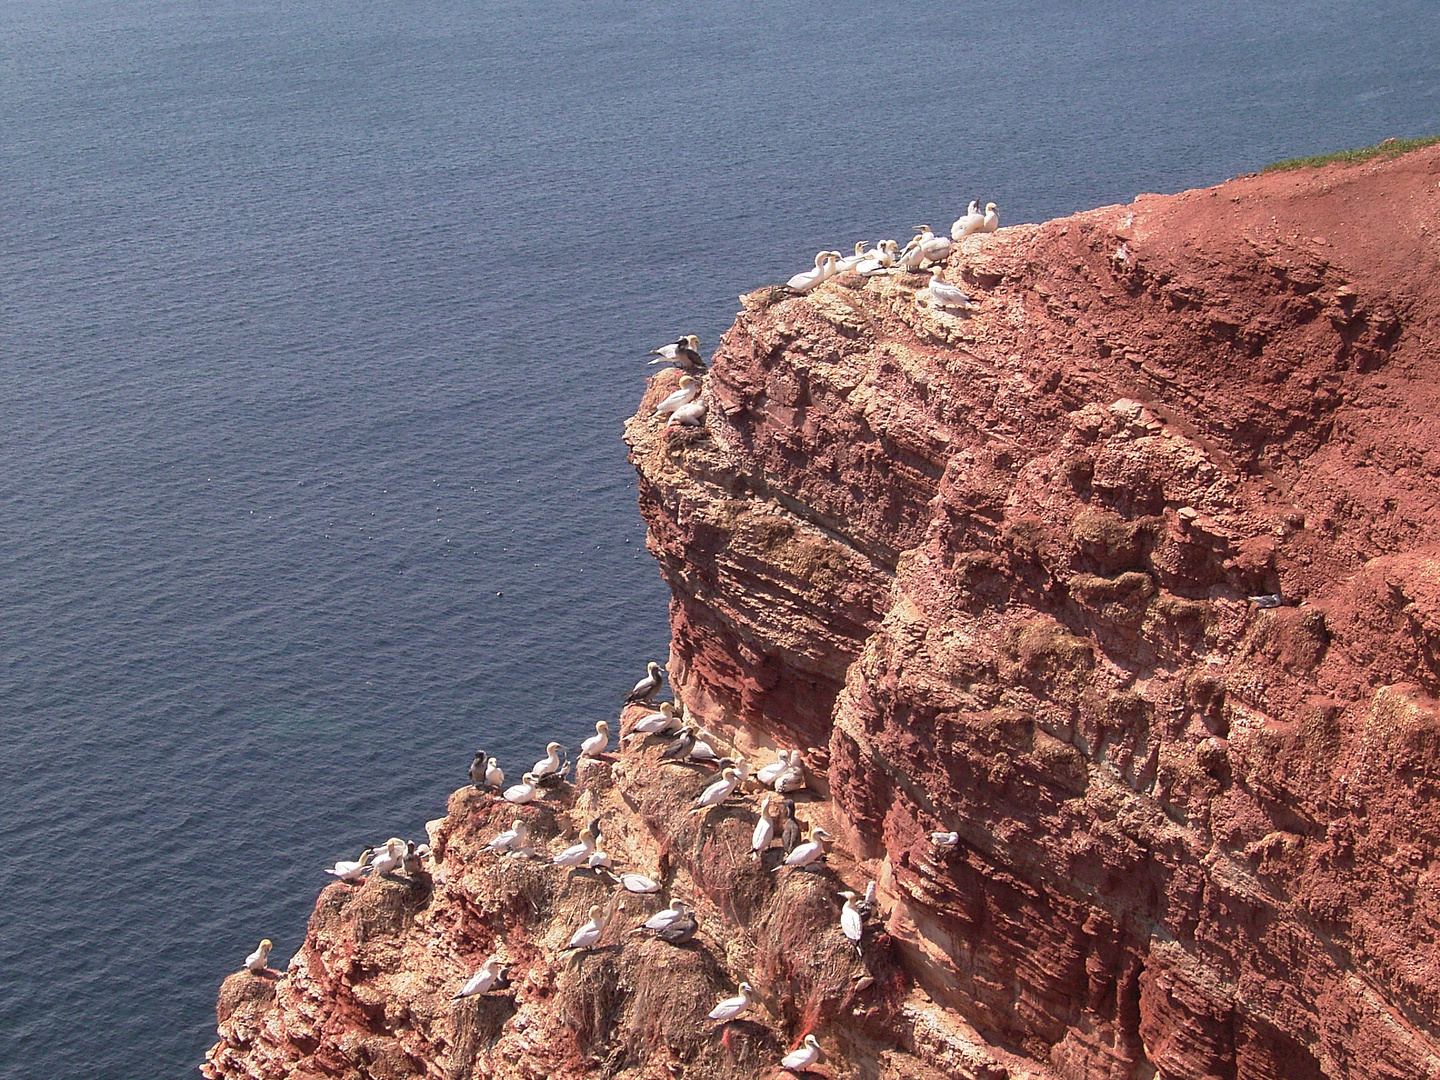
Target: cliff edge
{"x": 1130, "y": 576}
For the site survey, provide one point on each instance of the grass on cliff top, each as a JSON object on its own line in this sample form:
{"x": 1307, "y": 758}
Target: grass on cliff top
{"x": 1390, "y": 148}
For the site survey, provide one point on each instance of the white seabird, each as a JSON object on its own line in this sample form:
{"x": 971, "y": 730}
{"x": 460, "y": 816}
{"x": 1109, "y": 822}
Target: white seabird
{"x": 852, "y": 261}
{"x": 972, "y": 222}
{"x": 851, "y": 921}
{"x": 806, "y": 853}
{"x": 689, "y": 390}
{"x": 729, "y": 1008}
{"x": 511, "y": 838}
{"x": 684, "y": 351}
{"x": 525, "y": 791}
{"x": 598, "y": 859}
{"x": 945, "y": 839}
{"x": 717, "y": 792}
{"x": 691, "y": 414}
{"x": 258, "y": 960}
{"x": 663, "y": 918}
{"x": 550, "y": 763}
{"x": 577, "y": 854}
{"x": 389, "y": 861}
{"x": 943, "y": 294}
{"x": 639, "y": 883}
{"x": 800, "y": 1060}
{"x": 879, "y": 260}
{"x": 914, "y": 253}
{"x": 935, "y": 249}
{"x": 483, "y": 980}
{"x": 589, "y": 932}
{"x": 768, "y": 774}
{"x": 792, "y": 777}
{"x": 654, "y": 678}
{"x": 702, "y": 750}
{"x": 352, "y": 872}
{"x": 656, "y": 722}
{"x": 595, "y": 745}
{"x": 824, "y": 268}
{"x": 992, "y": 217}
{"x": 764, "y": 830}
{"x": 494, "y": 775}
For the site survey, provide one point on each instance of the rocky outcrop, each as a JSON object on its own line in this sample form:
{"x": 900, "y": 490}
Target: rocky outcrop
{"x": 1130, "y": 576}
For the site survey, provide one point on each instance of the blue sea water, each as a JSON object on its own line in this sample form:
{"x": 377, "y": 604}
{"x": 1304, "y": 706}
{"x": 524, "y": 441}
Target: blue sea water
{"x": 318, "y": 323}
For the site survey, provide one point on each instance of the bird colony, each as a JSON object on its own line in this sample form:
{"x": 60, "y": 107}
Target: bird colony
{"x": 779, "y": 835}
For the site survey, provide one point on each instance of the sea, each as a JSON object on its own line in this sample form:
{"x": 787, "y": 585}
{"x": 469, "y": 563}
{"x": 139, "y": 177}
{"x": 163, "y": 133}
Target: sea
{"x": 318, "y": 325}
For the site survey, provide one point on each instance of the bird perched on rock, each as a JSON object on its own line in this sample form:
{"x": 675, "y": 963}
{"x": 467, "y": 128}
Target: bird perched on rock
{"x": 482, "y": 981}
{"x": 880, "y": 260}
{"x": 656, "y": 722}
{"x": 764, "y": 830}
{"x": 388, "y": 861}
{"x": 945, "y": 295}
{"x": 662, "y": 918}
{"x": 717, "y": 792}
{"x": 351, "y": 872}
{"x": 680, "y": 930}
{"x": 595, "y": 745}
{"x": 852, "y": 923}
{"x": 477, "y": 769}
{"x": 494, "y": 775}
{"x": 790, "y": 829}
{"x": 683, "y": 352}
{"x": 866, "y": 907}
{"x": 639, "y": 883}
{"x": 589, "y": 933}
{"x": 729, "y": 1008}
{"x": 647, "y": 687}
{"x": 946, "y": 840}
{"x": 809, "y": 852}
{"x": 802, "y": 1058}
{"x": 513, "y": 837}
{"x": 414, "y": 858}
{"x": 992, "y": 218}
{"x": 972, "y": 222}
{"x": 258, "y": 960}
{"x": 679, "y": 748}
{"x": 691, "y": 415}
{"x": 849, "y": 262}
{"x": 528, "y": 790}
{"x": 689, "y": 391}
{"x": 825, "y": 263}
{"x": 578, "y": 854}
{"x": 767, "y": 774}
{"x": 550, "y": 763}
{"x": 792, "y": 777}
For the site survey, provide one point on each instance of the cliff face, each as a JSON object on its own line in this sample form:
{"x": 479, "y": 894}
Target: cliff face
{"x": 996, "y": 567}
{"x": 992, "y": 571}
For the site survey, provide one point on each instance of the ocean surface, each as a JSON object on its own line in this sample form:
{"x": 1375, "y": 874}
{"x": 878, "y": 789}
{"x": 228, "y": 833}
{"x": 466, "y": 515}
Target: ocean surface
{"x": 318, "y": 323}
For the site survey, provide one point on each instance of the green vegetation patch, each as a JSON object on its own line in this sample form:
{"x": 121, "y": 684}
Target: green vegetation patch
{"x": 1390, "y": 148}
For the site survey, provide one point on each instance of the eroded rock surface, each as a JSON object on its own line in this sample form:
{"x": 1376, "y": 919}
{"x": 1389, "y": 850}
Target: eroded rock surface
{"x": 994, "y": 572}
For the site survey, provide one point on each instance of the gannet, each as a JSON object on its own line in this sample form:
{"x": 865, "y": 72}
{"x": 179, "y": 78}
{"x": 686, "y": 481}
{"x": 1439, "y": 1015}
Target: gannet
{"x": 729, "y": 1008}
{"x": 684, "y": 351}
{"x": 647, "y": 687}
{"x": 595, "y": 745}
{"x": 764, "y": 830}
{"x": 880, "y": 260}
{"x": 792, "y": 777}
{"x": 945, "y": 839}
{"x": 934, "y": 250}
{"x": 655, "y": 722}
{"x": 577, "y": 854}
{"x": 851, "y": 922}
{"x": 414, "y": 858}
{"x": 914, "y": 253}
{"x": 483, "y": 980}
{"x": 790, "y": 831}
{"x": 972, "y": 222}
{"x": 598, "y": 859}
{"x": 992, "y": 217}
{"x": 689, "y": 390}
{"x": 352, "y": 871}
{"x": 866, "y": 907}
{"x": 662, "y": 918}
{"x": 589, "y": 933}
{"x": 717, "y": 792}
{"x": 511, "y": 838}
{"x": 691, "y": 414}
{"x": 257, "y": 961}
{"x": 390, "y": 859}
{"x": 477, "y": 769}
{"x": 943, "y": 294}
{"x": 806, "y": 853}
{"x": 800, "y": 1060}
{"x": 852, "y": 261}
{"x": 639, "y": 883}
{"x": 767, "y": 774}
{"x": 679, "y": 747}
{"x": 525, "y": 791}
{"x": 680, "y": 930}
{"x": 824, "y": 268}
{"x": 494, "y": 775}
{"x": 550, "y": 763}
{"x": 702, "y": 750}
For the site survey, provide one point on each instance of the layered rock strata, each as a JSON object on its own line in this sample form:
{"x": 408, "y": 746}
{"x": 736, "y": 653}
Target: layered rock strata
{"x": 1130, "y": 576}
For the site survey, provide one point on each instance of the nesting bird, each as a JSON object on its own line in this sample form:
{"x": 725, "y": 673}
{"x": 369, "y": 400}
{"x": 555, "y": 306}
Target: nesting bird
{"x": 550, "y": 763}
{"x": 689, "y": 390}
{"x": 578, "y": 854}
{"x": 390, "y": 859}
{"x": 647, "y": 687}
{"x": 972, "y": 222}
{"x": 792, "y": 777}
{"x": 945, "y": 295}
{"x": 802, "y": 1058}
{"x": 729, "y": 1008}
{"x": 656, "y": 722}
{"x": 589, "y": 932}
{"x": 679, "y": 748}
{"x": 662, "y": 918}
{"x": 258, "y": 960}
{"x": 528, "y": 790}
{"x": 717, "y": 792}
{"x": 511, "y": 838}
{"x": 852, "y": 923}
{"x": 639, "y": 883}
{"x": 945, "y": 840}
{"x": 764, "y": 832}
{"x": 351, "y": 872}
{"x": 595, "y": 745}
{"x": 825, "y": 263}
{"x": 809, "y": 852}
{"x": 768, "y": 773}
{"x": 691, "y": 414}
{"x": 683, "y": 352}
{"x": 483, "y": 980}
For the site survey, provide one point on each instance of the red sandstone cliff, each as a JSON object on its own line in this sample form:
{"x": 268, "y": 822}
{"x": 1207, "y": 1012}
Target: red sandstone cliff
{"x": 992, "y": 570}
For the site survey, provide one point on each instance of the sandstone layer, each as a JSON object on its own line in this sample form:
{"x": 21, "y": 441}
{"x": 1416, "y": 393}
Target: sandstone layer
{"x": 1130, "y": 576}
